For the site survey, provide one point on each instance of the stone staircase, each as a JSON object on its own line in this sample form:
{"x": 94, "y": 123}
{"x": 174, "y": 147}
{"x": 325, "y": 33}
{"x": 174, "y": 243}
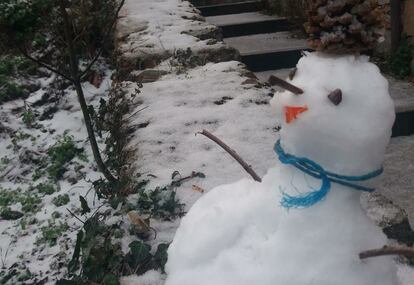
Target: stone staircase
{"x": 270, "y": 45}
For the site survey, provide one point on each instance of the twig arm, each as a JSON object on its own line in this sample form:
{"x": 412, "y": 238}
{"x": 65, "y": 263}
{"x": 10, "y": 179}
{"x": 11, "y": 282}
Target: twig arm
{"x": 388, "y": 250}
{"x": 232, "y": 153}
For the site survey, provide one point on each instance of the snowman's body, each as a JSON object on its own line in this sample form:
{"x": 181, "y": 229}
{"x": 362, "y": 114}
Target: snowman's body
{"x": 239, "y": 234}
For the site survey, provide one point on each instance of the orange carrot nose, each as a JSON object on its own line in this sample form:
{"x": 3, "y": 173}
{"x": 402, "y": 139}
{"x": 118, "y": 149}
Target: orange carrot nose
{"x": 291, "y": 113}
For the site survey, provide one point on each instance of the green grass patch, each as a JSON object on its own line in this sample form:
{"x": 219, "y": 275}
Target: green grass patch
{"x": 61, "y": 154}
{"x": 30, "y": 202}
{"x": 51, "y": 232}
{"x": 61, "y": 200}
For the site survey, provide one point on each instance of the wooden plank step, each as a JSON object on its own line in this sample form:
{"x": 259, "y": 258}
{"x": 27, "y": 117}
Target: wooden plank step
{"x": 250, "y": 23}
{"x": 199, "y": 3}
{"x": 231, "y": 8}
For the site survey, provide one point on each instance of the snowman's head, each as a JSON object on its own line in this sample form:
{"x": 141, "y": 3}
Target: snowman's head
{"x": 344, "y": 116}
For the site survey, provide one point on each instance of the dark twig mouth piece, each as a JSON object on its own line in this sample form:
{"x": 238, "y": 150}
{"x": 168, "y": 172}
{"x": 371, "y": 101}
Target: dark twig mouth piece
{"x": 273, "y": 80}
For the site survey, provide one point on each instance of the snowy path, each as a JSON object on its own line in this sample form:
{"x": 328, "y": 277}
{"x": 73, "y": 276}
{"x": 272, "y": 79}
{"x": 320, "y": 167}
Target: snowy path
{"x": 211, "y": 97}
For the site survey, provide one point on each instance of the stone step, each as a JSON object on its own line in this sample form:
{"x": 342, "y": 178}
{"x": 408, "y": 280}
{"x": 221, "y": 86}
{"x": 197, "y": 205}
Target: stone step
{"x": 404, "y": 124}
{"x": 269, "y": 51}
{"x": 235, "y": 25}
{"x": 403, "y": 94}
{"x": 199, "y": 3}
{"x": 231, "y": 8}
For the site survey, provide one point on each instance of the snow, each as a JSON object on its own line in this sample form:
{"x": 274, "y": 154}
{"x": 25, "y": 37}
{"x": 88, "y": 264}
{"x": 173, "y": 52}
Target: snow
{"x": 157, "y": 27}
{"x": 181, "y": 105}
{"x": 20, "y": 242}
{"x": 239, "y": 234}
{"x": 150, "y": 277}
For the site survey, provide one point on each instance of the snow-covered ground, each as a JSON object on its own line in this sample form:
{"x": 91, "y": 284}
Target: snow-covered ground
{"x": 214, "y": 97}
{"x": 223, "y": 98}
{"x": 42, "y": 240}
{"x": 150, "y": 31}
{"x": 187, "y": 100}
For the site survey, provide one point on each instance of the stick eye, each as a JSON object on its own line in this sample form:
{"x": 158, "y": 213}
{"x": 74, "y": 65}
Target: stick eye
{"x": 335, "y": 97}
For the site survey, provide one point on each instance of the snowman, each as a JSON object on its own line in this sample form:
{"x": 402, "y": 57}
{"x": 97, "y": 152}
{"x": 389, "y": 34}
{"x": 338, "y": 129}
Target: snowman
{"x": 303, "y": 224}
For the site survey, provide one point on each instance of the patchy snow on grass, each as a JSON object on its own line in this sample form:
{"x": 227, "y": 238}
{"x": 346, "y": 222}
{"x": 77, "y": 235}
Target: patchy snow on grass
{"x": 37, "y": 246}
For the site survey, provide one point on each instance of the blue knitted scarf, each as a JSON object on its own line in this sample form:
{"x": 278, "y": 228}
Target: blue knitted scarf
{"x": 315, "y": 170}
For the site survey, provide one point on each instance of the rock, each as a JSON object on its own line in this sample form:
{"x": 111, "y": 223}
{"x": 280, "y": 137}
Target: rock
{"x": 249, "y": 81}
{"x": 138, "y": 61}
{"x": 401, "y": 232}
{"x": 32, "y": 86}
{"x": 129, "y": 25}
{"x": 146, "y": 76}
{"x": 210, "y": 32}
{"x": 48, "y": 113}
{"x": 382, "y": 210}
{"x": 222, "y": 54}
{"x": 8, "y": 215}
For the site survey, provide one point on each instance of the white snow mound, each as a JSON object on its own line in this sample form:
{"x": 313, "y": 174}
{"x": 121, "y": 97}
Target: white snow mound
{"x": 239, "y": 233}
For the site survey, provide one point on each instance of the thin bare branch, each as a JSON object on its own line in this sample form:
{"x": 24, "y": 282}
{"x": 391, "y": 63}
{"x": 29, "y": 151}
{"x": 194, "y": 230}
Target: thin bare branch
{"x": 388, "y": 250}
{"x": 105, "y": 39}
{"x": 273, "y": 80}
{"x": 232, "y": 153}
{"x": 76, "y": 217}
{"x": 45, "y": 65}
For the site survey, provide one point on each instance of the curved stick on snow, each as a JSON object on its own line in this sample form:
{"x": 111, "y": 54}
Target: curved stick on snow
{"x": 273, "y": 80}
{"x": 232, "y": 153}
{"x": 388, "y": 250}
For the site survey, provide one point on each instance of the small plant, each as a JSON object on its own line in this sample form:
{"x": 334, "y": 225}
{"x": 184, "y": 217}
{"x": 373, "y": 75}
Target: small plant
{"x": 37, "y": 173}
{"x": 61, "y": 200}
{"x": 28, "y": 117}
{"x": 185, "y": 59}
{"x": 10, "y": 90}
{"x": 5, "y": 160}
{"x": 160, "y": 203}
{"x": 11, "y": 65}
{"x": 400, "y": 61}
{"x": 17, "y": 274}
{"x": 7, "y": 197}
{"x": 45, "y": 188}
{"x": 30, "y": 203}
{"x": 60, "y": 154}
{"x": 51, "y": 232}
{"x": 56, "y": 215}
{"x": 97, "y": 259}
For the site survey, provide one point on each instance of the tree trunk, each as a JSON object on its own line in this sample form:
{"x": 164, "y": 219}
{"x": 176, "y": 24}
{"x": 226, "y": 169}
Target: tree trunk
{"x": 74, "y": 71}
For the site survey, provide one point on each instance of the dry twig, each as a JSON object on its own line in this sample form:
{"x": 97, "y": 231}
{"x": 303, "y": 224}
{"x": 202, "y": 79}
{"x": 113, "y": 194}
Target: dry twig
{"x": 273, "y": 80}
{"x": 388, "y": 250}
{"x": 232, "y": 153}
